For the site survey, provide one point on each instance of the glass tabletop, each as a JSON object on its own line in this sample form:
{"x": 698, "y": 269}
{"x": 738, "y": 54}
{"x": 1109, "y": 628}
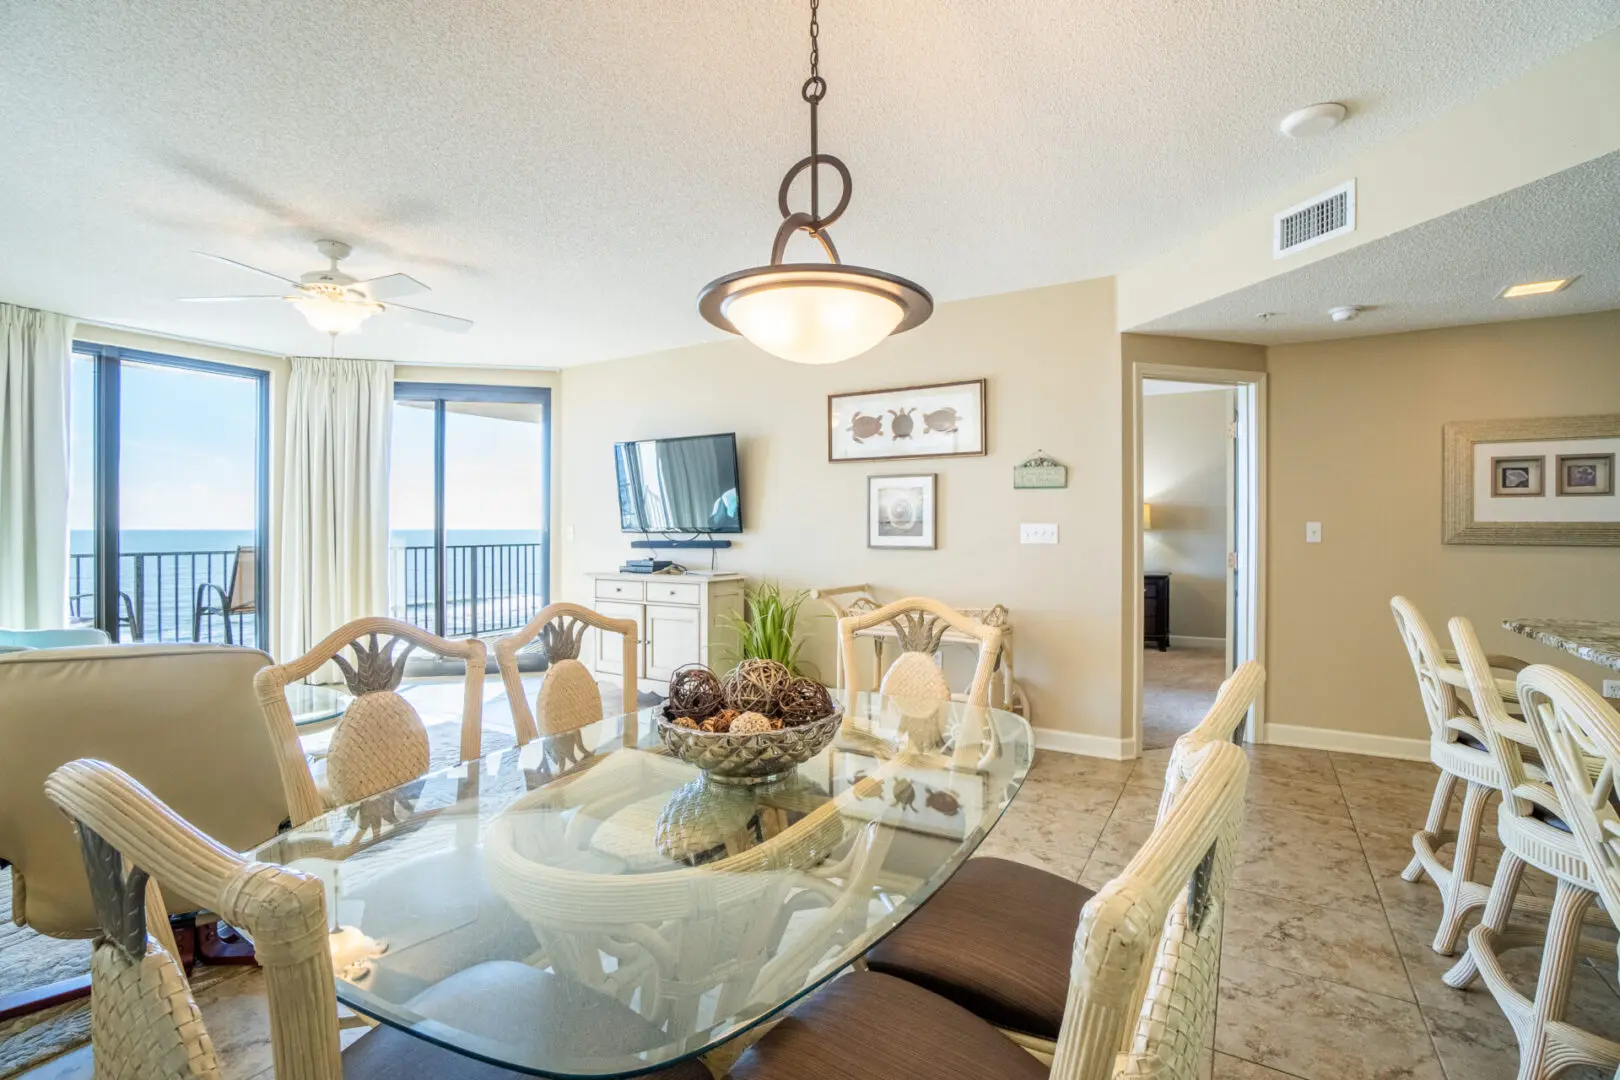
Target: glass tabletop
{"x": 587, "y": 905}
{"x": 312, "y": 704}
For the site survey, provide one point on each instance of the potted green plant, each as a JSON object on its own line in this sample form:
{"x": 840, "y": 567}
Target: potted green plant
{"x": 768, "y": 631}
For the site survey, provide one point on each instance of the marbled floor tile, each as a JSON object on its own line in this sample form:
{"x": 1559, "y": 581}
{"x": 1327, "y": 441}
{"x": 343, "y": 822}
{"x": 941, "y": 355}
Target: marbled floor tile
{"x": 238, "y": 1020}
{"x": 1072, "y": 768}
{"x": 1303, "y": 858}
{"x": 1046, "y": 833}
{"x": 1139, "y": 802}
{"x": 1302, "y": 791}
{"x": 1482, "y": 1047}
{"x": 1319, "y": 1030}
{"x": 1391, "y": 773}
{"x": 1227, "y": 1067}
{"x": 1290, "y": 762}
{"x": 1346, "y": 945}
{"x": 1118, "y": 844}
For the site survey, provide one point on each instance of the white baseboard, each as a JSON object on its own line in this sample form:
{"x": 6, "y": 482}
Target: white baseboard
{"x": 1187, "y": 642}
{"x": 1075, "y": 742}
{"x": 1346, "y": 742}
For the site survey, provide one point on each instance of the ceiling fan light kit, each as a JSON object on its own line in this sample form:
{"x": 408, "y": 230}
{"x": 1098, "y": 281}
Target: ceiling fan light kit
{"x": 813, "y": 313}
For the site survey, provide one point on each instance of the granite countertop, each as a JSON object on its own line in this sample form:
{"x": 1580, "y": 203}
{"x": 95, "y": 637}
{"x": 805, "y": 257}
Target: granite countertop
{"x": 1590, "y": 639}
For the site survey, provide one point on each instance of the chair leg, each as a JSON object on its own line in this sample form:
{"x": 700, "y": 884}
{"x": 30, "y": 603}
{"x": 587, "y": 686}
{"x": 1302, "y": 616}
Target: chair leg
{"x": 1504, "y": 890}
{"x": 1438, "y": 806}
{"x": 1462, "y": 893}
{"x": 1546, "y": 1045}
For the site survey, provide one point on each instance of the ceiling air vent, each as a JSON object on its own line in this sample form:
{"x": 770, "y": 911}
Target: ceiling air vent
{"x": 1326, "y": 216}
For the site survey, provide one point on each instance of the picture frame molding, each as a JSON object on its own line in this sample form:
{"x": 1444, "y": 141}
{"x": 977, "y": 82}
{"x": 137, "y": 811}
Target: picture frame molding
{"x": 984, "y": 421}
{"x": 1457, "y": 482}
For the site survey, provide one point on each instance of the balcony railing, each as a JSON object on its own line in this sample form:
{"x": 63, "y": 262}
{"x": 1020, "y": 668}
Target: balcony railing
{"x": 489, "y": 588}
{"x": 157, "y": 596}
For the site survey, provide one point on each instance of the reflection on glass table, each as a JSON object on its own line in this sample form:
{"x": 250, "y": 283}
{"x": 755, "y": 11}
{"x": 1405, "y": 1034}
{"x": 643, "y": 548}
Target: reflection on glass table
{"x": 316, "y": 704}
{"x": 588, "y": 906}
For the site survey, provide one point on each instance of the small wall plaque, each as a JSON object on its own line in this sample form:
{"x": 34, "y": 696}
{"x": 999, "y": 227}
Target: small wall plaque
{"x": 1040, "y": 471}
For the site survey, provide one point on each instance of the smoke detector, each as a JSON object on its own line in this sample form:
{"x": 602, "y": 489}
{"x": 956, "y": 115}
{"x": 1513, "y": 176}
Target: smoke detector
{"x": 1344, "y": 314}
{"x": 1313, "y": 120}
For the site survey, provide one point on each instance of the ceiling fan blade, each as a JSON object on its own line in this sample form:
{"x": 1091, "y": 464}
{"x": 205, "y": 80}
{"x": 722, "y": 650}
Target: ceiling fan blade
{"x": 245, "y": 266}
{"x": 225, "y": 299}
{"x": 390, "y": 286}
{"x": 432, "y": 318}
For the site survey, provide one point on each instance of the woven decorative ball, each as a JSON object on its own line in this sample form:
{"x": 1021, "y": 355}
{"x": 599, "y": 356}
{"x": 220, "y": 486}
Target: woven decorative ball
{"x": 803, "y": 700}
{"x": 750, "y": 723}
{"x": 695, "y": 691}
{"x": 756, "y": 686}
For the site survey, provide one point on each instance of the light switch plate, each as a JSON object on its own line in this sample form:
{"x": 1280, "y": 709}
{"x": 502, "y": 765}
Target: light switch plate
{"x": 1611, "y": 688}
{"x": 1313, "y": 532}
{"x": 1037, "y": 533}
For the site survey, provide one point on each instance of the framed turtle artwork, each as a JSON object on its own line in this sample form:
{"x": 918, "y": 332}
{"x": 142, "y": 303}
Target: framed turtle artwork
{"x": 938, "y": 802}
{"x": 937, "y": 420}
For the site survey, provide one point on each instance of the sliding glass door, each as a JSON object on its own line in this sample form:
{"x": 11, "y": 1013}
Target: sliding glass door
{"x": 469, "y": 506}
{"x": 168, "y": 497}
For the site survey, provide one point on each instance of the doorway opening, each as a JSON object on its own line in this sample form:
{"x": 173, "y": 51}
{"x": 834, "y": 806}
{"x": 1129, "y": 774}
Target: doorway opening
{"x": 1199, "y": 493}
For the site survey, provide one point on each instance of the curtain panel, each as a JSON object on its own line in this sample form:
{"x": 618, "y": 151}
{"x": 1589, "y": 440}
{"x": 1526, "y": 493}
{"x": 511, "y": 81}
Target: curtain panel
{"x": 36, "y": 354}
{"x": 334, "y": 515}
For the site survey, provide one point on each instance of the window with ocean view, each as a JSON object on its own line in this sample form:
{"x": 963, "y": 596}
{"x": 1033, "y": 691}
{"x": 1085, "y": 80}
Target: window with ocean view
{"x": 167, "y": 497}
{"x": 468, "y": 507}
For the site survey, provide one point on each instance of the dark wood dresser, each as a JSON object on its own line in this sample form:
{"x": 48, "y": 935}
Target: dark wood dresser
{"x": 1156, "y": 610}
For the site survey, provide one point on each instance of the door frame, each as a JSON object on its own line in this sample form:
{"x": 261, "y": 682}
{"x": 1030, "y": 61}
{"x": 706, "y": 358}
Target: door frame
{"x": 1251, "y": 624}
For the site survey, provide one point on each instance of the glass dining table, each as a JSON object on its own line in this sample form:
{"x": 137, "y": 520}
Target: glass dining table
{"x": 588, "y": 906}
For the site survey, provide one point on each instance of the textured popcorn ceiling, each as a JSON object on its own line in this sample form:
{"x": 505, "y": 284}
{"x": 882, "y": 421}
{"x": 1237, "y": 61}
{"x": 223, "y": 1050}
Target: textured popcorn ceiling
{"x": 570, "y": 174}
{"x": 1444, "y": 272}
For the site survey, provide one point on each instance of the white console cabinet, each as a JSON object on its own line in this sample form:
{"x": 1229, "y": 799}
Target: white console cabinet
{"x": 681, "y": 619}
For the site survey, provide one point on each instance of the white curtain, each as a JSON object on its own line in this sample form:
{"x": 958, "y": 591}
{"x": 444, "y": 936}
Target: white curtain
{"x": 36, "y": 354}
{"x": 333, "y": 563}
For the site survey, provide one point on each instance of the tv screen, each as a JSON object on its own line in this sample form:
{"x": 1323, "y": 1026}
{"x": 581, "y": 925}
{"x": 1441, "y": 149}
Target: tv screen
{"x": 679, "y": 485}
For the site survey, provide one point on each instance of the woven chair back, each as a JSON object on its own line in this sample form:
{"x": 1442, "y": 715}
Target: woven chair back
{"x": 1143, "y": 985}
{"x": 572, "y": 700}
{"x": 380, "y": 741}
{"x": 1439, "y": 698}
{"x": 144, "y": 1021}
{"x": 919, "y": 622}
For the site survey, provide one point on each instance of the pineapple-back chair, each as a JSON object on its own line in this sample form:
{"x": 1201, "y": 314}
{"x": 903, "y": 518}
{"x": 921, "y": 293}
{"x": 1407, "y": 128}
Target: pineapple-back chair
{"x": 1539, "y": 826}
{"x": 1458, "y": 747}
{"x": 920, "y": 623}
{"x": 1141, "y": 992}
{"x": 380, "y": 741}
{"x": 568, "y": 698}
{"x": 145, "y": 1024}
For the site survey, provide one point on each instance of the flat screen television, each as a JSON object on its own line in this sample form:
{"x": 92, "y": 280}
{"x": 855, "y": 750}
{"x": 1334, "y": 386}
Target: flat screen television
{"x": 679, "y": 485}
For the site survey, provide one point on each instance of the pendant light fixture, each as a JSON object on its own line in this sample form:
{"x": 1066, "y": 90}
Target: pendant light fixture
{"x": 814, "y": 313}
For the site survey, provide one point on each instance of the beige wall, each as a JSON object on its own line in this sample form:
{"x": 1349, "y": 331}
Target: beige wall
{"x": 1186, "y": 455}
{"x": 1355, "y": 444}
{"x": 1052, "y": 360}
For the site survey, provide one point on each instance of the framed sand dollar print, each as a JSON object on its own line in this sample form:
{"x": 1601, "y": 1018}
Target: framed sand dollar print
{"x": 901, "y": 511}
{"x": 936, "y": 420}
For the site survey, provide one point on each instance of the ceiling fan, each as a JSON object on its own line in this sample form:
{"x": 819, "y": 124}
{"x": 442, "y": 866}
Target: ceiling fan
{"x": 335, "y": 303}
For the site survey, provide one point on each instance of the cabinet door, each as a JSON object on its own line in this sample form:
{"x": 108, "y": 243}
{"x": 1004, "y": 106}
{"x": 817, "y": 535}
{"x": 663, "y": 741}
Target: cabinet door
{"x": 673, "y": 638}
{"x": 609, "y": 646}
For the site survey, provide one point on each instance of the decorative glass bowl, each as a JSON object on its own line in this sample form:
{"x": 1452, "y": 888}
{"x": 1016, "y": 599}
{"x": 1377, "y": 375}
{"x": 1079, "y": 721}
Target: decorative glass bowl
{"x": 755, "y": 758}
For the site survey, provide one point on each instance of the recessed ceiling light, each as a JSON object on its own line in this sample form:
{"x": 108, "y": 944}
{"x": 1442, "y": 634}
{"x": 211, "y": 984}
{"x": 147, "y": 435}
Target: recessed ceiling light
{"x": 1345, "y": 314}
{"x": 1534, "y": 288}
{"x": 1313, "y": 120}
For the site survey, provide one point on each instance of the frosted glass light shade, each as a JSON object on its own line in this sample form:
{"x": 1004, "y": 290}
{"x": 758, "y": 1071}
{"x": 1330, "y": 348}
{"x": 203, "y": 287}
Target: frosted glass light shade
{"x": 331, "y": 316}
{"x": 814, "y": 324}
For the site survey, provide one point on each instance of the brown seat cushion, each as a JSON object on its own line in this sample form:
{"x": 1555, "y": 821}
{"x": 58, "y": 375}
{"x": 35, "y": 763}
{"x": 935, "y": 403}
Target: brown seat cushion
{"x": 996, "y": 939}
{"x": 552, "y": 1018}
{"x": 867, "y": 1026}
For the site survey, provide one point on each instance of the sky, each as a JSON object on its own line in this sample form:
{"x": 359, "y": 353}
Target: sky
{"x": 188, "y": 441}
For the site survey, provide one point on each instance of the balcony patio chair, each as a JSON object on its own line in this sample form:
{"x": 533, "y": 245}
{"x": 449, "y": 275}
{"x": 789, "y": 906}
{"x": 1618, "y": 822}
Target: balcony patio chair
{"x": 920, "y": 623}
{"x": 184, "y": 716}
{"x": 238, "y": 597}
{"x": 127, "y": 615}
{"x": 1459, "y": 749}
{"x": 568, "y": 698}
{"x": 1541, "y": 824}
{"x": 995, "y": 938}
{"x": 1140, "y": 1000}
{"x": 146, "y": 1023}
{"x": 379, "y": 741}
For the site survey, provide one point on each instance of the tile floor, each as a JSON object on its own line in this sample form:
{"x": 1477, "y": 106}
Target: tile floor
{"x": 1326, "y": 973}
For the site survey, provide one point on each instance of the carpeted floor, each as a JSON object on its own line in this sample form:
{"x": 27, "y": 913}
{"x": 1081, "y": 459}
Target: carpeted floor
{"x": 1178, "y": 687}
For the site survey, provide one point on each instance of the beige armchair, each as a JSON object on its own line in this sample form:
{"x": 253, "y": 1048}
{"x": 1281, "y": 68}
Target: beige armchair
{"x": 182, "y": 716}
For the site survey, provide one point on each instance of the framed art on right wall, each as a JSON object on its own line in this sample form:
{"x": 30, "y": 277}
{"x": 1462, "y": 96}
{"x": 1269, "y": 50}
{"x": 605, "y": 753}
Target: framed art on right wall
{"x": 1544, "y": 481}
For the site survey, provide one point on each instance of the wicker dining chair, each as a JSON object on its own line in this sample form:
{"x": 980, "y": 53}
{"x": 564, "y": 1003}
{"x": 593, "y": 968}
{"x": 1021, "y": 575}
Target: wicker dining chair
{"x": 1538, "y": 828}
{"x": 145, "y": 1024}
{"x": 380, "y": 741}
{"x": 920, "y": 623}
{"x": 569, "y": 698}
{"x": 1458, "y": 748}
{"x": 1140, "y": 999}
{"x": 994, "y": 937}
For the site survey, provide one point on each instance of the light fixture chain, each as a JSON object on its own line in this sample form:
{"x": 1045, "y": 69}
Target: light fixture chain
{"x": 815, "y": 39}
{"x": 814, "y": 90}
